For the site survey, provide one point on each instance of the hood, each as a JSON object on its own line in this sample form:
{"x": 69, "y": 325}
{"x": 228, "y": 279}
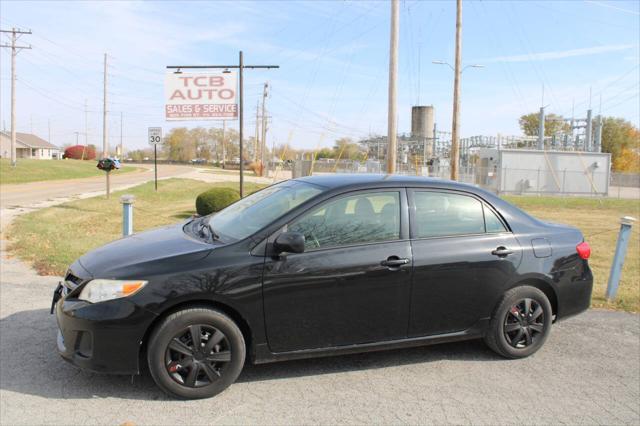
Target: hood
{"x": 146, "y": 253}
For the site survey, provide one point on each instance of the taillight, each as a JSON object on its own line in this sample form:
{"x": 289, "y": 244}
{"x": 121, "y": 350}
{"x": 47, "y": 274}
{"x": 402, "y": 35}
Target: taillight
{"x": 584, "y": 250}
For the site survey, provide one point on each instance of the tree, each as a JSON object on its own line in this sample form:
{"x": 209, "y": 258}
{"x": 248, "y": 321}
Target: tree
{"x": 183, "y": 145}
{"x": 324, "y": 153}
{"x": 553, "y": 123}
{"x": 622, "y": 139}
{"x": 346, "y": 149}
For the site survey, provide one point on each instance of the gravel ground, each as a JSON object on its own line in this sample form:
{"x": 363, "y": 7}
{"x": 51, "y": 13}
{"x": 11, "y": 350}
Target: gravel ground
{"x": 588, "y": 372}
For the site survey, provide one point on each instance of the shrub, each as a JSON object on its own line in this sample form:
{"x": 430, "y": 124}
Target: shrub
{"x": 216, "y": 199}
{"x": 257, "y": 168}
{"x": 76, "y": 152}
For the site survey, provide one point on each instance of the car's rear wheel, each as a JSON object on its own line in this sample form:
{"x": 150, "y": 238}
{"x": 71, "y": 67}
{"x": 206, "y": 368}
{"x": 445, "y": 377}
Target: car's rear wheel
{"x": 196, "y": 353}
{"x": 521, "y": 323}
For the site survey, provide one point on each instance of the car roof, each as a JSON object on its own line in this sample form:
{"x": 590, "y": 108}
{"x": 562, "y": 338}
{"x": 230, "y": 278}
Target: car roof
{"x": 346, "y": 180}
{"x": 339, "y": 182}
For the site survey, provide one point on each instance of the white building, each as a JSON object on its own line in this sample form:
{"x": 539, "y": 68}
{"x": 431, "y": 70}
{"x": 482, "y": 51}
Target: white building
{"x": 28, "y": 146}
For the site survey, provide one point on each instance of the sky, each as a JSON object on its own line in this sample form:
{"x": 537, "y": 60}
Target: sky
{"x": 334, "y": 63}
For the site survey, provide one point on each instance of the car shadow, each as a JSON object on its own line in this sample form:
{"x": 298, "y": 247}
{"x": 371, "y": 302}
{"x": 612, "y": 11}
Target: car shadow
{"x": 30, "y": 364}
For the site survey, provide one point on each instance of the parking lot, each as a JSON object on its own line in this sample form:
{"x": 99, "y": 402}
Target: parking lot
{"x": 588, "y": 372}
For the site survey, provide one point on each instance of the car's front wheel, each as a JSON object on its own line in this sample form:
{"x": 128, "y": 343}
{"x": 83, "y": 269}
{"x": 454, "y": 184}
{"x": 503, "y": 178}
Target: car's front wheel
{"x": 521, "y": 323}
{"x": 196, "y": 353}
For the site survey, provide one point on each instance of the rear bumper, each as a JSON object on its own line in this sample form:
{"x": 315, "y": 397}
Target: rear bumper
{"x": 104, "y": 337}
{"x": 574, "y": 296}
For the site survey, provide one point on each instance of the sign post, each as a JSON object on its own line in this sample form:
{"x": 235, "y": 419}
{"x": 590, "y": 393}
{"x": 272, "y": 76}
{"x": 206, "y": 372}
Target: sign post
{"x": 155, "y": 137}
{"x": 198, "y": 96}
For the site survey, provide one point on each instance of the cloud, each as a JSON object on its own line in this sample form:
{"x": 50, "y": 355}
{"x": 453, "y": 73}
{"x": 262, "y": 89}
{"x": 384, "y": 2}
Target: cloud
{"x": 561, "y": 54}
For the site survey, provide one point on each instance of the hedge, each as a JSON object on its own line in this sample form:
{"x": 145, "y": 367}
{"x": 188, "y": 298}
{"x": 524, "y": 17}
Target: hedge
{"x": 80, "y": 152}
{"x": 216, "y": 199}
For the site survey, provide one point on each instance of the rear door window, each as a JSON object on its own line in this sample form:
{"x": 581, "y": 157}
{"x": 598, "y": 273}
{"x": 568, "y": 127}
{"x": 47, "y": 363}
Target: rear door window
{"x": 444, "y": 214}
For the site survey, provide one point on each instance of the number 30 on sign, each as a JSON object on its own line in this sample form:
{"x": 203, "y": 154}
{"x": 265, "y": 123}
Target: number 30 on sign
{"x": 155, "y": 135}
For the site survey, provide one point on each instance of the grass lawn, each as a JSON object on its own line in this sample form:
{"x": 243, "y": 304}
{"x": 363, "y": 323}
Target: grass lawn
{"x": 599, "y": 221}
{"x": 28, "y": 170}
{"x": 52, "y": 238}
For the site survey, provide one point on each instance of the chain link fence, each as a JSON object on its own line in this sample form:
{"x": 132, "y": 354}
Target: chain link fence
{"x": 501, "y": 181}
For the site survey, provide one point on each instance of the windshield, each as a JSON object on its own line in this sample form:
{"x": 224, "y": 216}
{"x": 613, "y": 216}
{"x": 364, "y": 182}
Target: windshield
{"x": 257, "y": 210}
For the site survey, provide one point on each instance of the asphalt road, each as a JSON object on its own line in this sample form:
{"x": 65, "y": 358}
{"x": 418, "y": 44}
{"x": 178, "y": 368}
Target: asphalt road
{"x": 28, "y": 194}
{"x": 587, "y": 373}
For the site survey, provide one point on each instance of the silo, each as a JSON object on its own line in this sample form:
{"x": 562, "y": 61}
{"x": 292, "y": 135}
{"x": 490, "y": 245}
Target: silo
{"x": 422, "y": 127}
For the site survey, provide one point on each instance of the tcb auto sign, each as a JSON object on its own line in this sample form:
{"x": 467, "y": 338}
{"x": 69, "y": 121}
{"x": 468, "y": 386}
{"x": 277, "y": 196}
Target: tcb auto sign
{"x": 201, "y": 96}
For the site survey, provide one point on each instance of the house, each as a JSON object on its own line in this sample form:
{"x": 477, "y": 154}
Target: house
{"x": 28, "y": 146}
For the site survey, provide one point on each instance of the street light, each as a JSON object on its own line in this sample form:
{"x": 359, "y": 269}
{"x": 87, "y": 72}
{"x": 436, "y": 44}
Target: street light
{"x": 453, "y": 69}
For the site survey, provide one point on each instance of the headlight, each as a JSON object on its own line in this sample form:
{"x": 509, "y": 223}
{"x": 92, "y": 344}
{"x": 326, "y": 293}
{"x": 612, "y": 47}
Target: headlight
{"x": 101, "y": 290}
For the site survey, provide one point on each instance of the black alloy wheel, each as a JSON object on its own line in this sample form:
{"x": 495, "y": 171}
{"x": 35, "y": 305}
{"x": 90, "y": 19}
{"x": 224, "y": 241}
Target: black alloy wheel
{"x": 196, "y": 353}
{"x": 196, "y": 356}
{"x": 521, "y": 322}
{"x": 524, "y": 323}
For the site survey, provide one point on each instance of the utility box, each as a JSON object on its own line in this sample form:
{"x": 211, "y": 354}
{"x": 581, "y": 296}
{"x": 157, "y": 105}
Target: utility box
{"x": 520, "y": 171}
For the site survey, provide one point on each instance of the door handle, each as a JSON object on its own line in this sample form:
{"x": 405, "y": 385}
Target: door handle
{"x": 394, "y": 262}
{"x": 502, "y": 252}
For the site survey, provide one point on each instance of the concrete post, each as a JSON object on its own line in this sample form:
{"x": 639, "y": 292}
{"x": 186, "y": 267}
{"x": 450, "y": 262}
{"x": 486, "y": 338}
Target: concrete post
{"x": 127, "y": 214}
{"x": 618, "y": 259}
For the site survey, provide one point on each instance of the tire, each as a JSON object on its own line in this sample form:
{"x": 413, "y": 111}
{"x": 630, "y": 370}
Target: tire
{"x": 513, "y": 331}
{"x": 185, "y": 373}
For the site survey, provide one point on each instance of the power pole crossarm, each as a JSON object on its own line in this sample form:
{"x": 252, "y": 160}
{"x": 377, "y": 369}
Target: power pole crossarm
{"x": 15, "y": 34}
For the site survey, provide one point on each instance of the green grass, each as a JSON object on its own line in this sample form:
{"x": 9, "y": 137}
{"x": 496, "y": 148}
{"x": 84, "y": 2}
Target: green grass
{"x": 28, "y": 170}
{"x": 54, "y": 237}
{"x": 599, "y": 221}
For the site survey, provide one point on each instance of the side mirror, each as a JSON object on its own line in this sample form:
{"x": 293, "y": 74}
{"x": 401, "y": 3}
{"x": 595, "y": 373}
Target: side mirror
{"x": 291, "y": 242}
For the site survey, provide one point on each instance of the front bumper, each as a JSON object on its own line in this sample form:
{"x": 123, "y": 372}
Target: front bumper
{"x": 103, "y": 337}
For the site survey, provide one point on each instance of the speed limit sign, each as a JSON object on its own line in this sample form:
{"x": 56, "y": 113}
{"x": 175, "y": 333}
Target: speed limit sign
{"x": 155, "y": 135}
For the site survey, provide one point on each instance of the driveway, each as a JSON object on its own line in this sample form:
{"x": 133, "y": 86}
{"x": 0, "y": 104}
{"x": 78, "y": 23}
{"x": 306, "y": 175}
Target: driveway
{"x": 587, "y": 373}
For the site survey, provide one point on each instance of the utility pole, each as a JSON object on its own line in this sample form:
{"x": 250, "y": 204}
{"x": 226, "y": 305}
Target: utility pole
{"x": 455, "y": 123}
{"x": 105, "y": 127}
{"x": 263, "y": 148}
{"x": 240, "y": 67}
{"x": 86, "y": 125}
{"x": 121, "y": 147}
{"x": 392, "y": 131}
{"x": 256, "y": 141}
{"x": 224, "y": 135}
{"x": 15, "y": 34}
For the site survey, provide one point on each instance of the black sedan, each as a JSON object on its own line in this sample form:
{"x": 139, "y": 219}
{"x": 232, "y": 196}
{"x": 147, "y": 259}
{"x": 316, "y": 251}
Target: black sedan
{"x": 322, "y": 265}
